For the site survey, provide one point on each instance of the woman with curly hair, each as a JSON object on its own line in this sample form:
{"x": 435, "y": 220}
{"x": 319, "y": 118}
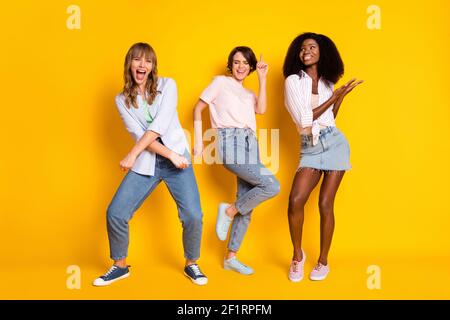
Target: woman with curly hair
{"x": 311, "y": 68}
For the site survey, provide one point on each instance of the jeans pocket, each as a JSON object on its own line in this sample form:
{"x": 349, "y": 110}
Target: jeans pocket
{"x": 306, "y": 150}
{"x": 312, "y": 149}
{"x": 306, "y": 145}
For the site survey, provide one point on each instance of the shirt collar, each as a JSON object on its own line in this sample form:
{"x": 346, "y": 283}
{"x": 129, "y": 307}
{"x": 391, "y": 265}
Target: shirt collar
{"x": 302, "y": 73}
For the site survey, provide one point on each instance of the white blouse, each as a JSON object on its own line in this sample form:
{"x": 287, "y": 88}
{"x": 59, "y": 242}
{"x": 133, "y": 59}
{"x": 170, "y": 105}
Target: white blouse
{"x": 298, "y": 101}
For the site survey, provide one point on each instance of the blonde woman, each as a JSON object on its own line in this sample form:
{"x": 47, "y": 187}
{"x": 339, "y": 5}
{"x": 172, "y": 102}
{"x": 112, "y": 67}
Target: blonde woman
{"x": 148, "y": 108}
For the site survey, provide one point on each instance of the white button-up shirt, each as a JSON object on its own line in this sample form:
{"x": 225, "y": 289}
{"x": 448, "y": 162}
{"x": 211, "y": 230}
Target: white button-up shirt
{"x": 165, "y": 122}
{"x": 297, "y": 97}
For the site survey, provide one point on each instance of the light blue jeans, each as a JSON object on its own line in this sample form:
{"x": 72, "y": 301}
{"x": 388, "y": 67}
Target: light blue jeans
{"x": 239, "y": 152}
{"x": 135, "y": 188}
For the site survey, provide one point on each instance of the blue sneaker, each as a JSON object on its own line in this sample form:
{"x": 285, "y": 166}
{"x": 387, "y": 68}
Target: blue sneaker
{"x": 235, "y": 265}
{"x": 113, "y": 274}
{"x": 194, "y": 273}
{"x": 223, "y": 222}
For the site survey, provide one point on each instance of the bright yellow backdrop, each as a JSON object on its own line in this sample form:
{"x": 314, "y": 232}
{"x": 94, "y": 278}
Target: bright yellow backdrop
{"x": 62, "y": 140}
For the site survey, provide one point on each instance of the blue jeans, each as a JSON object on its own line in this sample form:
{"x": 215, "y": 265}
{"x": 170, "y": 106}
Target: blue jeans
{"x": 239, "y": 152}
{"x": 135, "y": 188}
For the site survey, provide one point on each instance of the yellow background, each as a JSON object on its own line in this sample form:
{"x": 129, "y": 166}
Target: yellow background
{"x": 62, "y": 140}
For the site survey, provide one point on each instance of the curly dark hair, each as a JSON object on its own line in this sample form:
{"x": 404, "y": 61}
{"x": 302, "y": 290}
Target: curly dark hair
{"x": 248, "y": 54}
{"x": 330, "y": 65}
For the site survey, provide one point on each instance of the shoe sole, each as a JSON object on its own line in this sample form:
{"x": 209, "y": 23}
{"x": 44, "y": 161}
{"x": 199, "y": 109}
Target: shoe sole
{"x": 107, "y": 283}
{"x": 195, "y": 281}
{"x": 233, "y": 269}
{"x": 317, "y": 278}
{"x": 295, "y": 280}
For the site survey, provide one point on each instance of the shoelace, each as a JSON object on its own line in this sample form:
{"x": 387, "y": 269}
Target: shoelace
{"x": 196, "y": 269}
{"x": 295, "y": 266}
{"x": 318, "y": 266}
{"x": 111, "y": 270}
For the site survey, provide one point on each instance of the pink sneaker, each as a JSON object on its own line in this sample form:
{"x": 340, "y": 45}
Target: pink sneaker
{"x": 319, "y": 272}
{"x": 296, "y": 269}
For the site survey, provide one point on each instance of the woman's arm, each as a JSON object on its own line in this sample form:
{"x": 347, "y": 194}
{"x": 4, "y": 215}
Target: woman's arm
{"x": 337, "y": 94}
{"x": 143, "y": 138}
{"x": 294, "y": 95}
{"x": 179, "y": 161}
{"x": 198, "y": 131}
{"x": 317, "y": 112}
{"x": 148, "y": 142}
{"x": 336, "y": 106}
{"x": 261, "y": 68}
{"x": 141, "y": 145}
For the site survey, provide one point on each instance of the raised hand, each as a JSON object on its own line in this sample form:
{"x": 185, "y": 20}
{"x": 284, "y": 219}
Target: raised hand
{"x": 342, "y": 91}
{"x": 262, "y": 68}
{"x": 350, "y": 88}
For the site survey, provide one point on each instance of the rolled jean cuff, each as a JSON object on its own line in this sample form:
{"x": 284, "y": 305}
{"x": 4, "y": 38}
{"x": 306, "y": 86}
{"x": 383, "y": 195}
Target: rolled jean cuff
{"x": 234, "y": 248}
{"x": 241, "y": 208}
{"x": 118, "y": 258}
{"x": 191, "y": 259}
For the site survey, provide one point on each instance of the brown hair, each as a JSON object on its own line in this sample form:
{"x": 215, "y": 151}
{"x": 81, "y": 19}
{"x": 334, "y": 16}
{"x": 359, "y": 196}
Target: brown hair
{"x": 130, "y": 88}
{"x": 248, "y": 55}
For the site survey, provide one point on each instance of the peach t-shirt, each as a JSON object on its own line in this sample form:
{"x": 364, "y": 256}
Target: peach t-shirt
{"x": 230, "y": 104}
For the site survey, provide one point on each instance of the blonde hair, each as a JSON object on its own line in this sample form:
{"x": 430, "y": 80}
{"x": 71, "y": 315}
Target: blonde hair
{"x": 130, "y": 88}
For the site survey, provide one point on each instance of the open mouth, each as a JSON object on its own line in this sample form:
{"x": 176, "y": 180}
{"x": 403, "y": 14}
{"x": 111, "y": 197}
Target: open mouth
{"x": 140, "y": 74}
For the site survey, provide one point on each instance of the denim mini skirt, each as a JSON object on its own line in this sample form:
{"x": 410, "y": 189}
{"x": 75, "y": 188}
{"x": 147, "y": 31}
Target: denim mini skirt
{"x": 332, "y": 151}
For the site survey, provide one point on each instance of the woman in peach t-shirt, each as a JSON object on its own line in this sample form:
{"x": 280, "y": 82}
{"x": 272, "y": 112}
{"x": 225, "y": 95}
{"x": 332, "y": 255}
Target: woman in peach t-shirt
{"x": 232, "y": 109}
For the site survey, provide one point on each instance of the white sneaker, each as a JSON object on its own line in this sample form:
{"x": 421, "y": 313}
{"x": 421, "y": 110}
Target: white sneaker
{"x": 223, "y": 222}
